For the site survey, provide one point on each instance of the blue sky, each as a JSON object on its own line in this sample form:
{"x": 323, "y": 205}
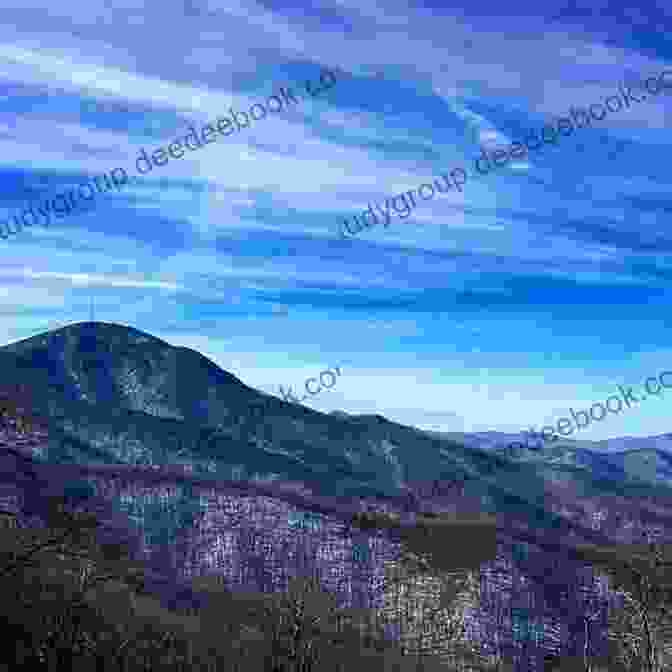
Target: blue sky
{"x": 541, "y": 286}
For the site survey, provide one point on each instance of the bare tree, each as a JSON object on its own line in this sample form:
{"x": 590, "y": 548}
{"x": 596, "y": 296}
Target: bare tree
{"x": 642, "y": 625}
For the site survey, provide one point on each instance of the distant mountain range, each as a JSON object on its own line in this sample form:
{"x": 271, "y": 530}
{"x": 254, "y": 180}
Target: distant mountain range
{"x": 114, "y": 395}
{"x": 647, "y": 458}
{"x": 498, "y": 440}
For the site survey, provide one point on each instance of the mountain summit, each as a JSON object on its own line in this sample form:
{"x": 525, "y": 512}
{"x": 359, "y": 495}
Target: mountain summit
{"x": 122, "y": 368}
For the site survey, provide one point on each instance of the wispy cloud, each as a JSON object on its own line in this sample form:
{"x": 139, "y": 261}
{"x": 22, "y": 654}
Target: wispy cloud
{"x": 87, "y": 279}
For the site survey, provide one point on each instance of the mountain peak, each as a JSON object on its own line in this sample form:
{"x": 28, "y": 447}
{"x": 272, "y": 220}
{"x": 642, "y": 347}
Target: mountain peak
{"x": 120, "y": 367}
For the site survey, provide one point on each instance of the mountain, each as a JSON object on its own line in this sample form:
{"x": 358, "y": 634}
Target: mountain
{"x": 207, "y": 475}
{"x": 114, "y": 395}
